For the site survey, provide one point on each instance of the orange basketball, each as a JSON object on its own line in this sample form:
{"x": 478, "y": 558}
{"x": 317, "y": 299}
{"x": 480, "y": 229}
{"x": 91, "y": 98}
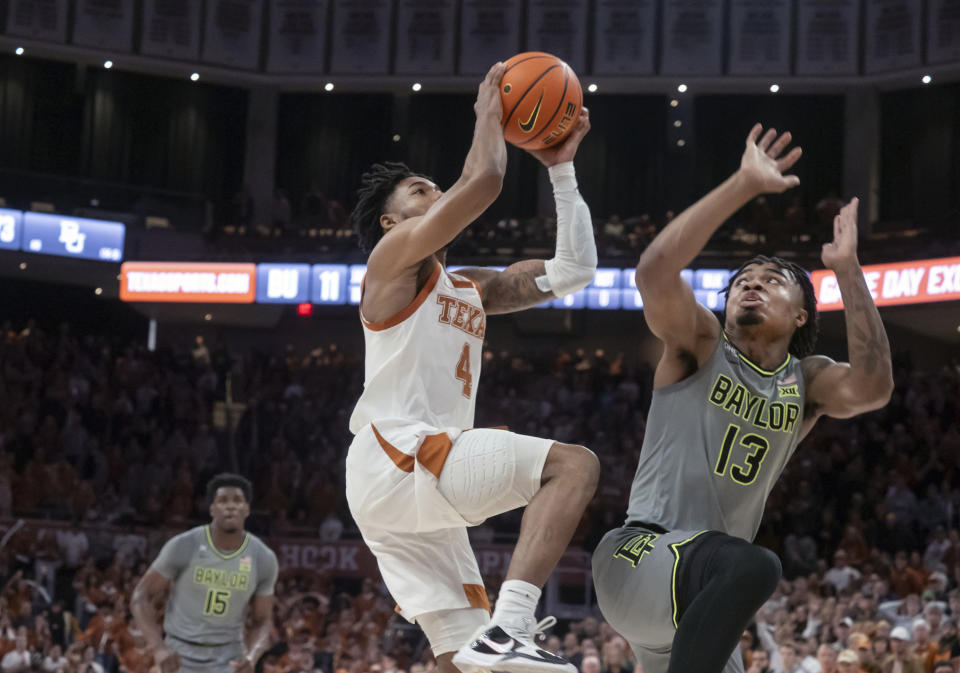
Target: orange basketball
{"x": 541, "y": 98}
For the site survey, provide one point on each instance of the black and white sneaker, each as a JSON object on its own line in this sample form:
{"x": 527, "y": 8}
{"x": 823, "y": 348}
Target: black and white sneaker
{"x": 510, "y": 648}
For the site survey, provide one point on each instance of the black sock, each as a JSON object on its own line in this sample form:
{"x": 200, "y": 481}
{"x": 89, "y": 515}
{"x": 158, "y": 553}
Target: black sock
{"x": 736, "y": 579}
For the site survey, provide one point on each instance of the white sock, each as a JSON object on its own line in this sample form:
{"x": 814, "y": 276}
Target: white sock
{"x": 517, "y": 599}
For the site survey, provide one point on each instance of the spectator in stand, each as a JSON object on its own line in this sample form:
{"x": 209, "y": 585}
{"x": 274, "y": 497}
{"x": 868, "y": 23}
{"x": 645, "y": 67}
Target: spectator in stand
{"x": 19, "y": 659}
{"x": 905, "y": 580}
{"x": 948, "y": 645}
{"x": 789, "y": 661}
{"x": 848, "y": 662}
{"x": 901, "y": 658}
{"x": 590, "y": 664}
{"x": 841, "y": 575}
{"x": 759, "y": 661}
{"x": 827, "y": 658}
{"x": 860, "y": 644}
{"x": 841, "y": 629}
{"x": 54, "y": 660}
{"x": 923, "y": 648}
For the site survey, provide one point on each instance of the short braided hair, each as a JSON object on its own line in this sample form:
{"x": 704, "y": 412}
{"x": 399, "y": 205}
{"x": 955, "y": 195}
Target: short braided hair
{"x": 804, "y": 339}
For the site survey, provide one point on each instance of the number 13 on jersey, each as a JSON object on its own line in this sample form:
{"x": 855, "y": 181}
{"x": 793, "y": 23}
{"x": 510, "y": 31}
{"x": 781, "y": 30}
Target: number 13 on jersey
{"x": 463, "y": 371}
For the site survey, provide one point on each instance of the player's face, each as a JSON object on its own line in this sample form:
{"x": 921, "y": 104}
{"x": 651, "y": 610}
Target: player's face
{"x": 413, "y": 196}
{"x": 229, "y": 509}
{"x": 764, "y": 294}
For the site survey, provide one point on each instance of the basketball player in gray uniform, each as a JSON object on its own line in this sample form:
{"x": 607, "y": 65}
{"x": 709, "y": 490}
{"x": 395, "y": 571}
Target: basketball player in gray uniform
{"x": 681, "y": 579}
{"x": 210, "y": 574}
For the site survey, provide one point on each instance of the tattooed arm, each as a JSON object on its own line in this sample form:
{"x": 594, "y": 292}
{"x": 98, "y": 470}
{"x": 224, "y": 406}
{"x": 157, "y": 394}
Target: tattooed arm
{"x": 843, "y": 390}
{"x": 513, "y": 289}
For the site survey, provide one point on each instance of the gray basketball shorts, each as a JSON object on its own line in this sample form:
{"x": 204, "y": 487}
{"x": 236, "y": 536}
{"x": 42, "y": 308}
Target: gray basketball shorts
{"x": 206, "y": 659}
{"x": 636, "y": 574}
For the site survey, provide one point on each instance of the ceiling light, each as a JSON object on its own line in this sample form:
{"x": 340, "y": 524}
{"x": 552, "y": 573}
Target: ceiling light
{"x": 682, "y": 88}
{"x": 108, "y": 64}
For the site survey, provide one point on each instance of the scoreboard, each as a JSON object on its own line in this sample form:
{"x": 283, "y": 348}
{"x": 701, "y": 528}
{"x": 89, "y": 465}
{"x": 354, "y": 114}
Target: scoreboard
{"x": 341, "y": 284}
{"x": 61, "y": 235}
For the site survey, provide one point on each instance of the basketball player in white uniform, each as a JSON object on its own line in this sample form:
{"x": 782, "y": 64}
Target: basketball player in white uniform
{"x": 417, "y": 473}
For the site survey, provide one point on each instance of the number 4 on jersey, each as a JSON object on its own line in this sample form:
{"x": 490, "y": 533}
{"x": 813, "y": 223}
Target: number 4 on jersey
{"x": 463, "y": 371}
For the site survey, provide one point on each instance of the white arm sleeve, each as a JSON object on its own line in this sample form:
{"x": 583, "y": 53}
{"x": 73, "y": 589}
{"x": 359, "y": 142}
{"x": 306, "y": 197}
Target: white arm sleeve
{"x": 575, "y": 261}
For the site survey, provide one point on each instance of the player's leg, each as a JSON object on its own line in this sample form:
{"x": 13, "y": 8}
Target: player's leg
{"x": 724, "y": 581}
{"x": 447, "y": 630}
{"x": 489, "y": 472}
{"x": 567, "y": 484}
{"x": 492, "y": 471}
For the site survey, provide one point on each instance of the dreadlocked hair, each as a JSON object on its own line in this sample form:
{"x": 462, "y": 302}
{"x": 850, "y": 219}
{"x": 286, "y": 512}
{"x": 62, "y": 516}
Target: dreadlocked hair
{"x": 804, "y": 339}
{"x": 376, "y": 186}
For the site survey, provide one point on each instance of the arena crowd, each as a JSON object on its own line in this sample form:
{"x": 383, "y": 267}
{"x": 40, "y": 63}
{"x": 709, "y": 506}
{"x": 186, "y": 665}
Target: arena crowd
{"x": 95, "y": 431}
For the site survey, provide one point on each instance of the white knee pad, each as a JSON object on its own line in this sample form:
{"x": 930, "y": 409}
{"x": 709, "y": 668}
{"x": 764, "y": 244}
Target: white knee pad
{"x": 449, "y": 630}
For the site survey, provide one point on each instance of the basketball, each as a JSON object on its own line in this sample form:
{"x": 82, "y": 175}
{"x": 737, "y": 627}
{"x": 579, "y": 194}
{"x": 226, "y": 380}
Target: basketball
{"x": 541, "y": 98}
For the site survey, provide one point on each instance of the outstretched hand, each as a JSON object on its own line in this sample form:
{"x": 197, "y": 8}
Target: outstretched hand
{"x": 565, "y": 151}
{"x": 762, "y": 165}
{"x": 488, "y": 94}
{"x": 842, "y": 250}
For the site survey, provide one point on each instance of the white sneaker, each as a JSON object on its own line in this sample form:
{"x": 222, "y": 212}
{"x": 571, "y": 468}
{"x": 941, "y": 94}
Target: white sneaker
{"x": 510, "y": 648}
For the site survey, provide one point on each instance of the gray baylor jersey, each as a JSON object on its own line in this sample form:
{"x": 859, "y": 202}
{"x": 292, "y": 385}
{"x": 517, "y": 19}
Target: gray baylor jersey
{"x": 716, "y": 443}
{"x": 211, "y": 589}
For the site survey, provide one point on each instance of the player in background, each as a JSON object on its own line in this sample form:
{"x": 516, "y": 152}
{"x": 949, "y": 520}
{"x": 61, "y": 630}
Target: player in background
{"x": 732, "y": 399}
{"x": 417, "y": 474}
{"x": 208, "y": 576}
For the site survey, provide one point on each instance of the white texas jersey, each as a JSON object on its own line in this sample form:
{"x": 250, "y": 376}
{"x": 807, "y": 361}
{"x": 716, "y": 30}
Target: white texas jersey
{"x": 423, "y": 363}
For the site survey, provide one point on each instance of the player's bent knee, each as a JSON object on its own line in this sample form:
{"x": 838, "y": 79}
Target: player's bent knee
{"x": 449, "y": 630}
{"x": 573, "y": 460}
{"x": 760, "y": 570}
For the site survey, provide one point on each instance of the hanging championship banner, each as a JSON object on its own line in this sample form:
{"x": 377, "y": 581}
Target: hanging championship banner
{"x": 489, "y": 32}
{"x": 425, "y": 33}
{"x": 692, "y": 37}
{"x": 232, "y": 33}
{"x": 943, "y": 30}
{"x": 104, "y": 25}
{"x": 361, "y": 37}
{"x": 171, "y": 28}
{"x": 298, "y": 36}
{"x": 624, "y": 36}
{"x": 38, "y": 19}
{"x": 892, "y": 34}
{"x": 760, "y": 35}
{"x": 827, "y": 33}
{"x": 559, "y": 27}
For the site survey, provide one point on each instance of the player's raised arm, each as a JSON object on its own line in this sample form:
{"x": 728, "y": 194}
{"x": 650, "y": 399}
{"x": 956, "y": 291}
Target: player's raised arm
{"x": 533, "y": 281}
{"x": 409, "y": 240}
{"x": 670, "y": 309}
{"x": 843, "y": 390}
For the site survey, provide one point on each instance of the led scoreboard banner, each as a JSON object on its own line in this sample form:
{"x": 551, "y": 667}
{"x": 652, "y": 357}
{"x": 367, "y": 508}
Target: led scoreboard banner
{"x": 917, "y": 282}
{"x": 61, "y": 235}
{"x": 612, "y": 288}
{"x": 340, "y": 284}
